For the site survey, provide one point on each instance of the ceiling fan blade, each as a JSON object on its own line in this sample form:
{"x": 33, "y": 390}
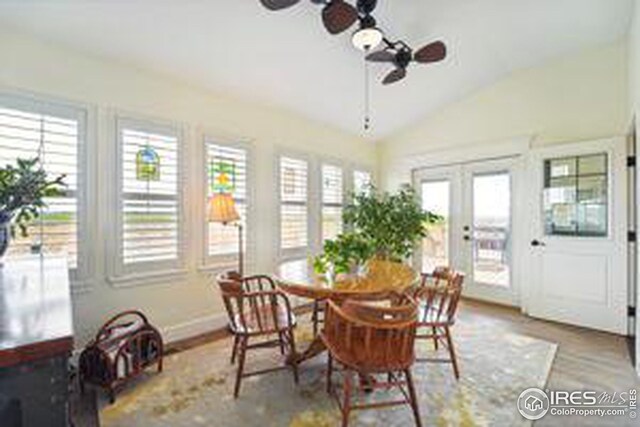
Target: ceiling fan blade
{"x": 338, "y": 16}
{"x": 278, "y": 4}
{"x": 394, "y": 76}
{"x": 381, "y": 56}
{"x": 433, "y": 52}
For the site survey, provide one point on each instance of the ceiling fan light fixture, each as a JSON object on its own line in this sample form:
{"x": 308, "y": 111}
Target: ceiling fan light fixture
{"x": 367, "y": 38}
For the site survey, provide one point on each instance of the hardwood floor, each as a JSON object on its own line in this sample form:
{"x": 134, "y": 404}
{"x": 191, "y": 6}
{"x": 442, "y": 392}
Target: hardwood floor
{"x": 586, "y": 359}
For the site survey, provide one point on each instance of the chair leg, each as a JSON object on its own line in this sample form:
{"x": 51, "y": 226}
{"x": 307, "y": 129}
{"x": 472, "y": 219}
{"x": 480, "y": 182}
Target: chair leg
{"x": 241, "y": 359}
{"x": 435, "y": 337}
{"x": 314, "y": 317}
{"x": 329, "y": 372}
{"x": 452, "y": 352}
{"x": 281, "y": 342}
{"x": 294, "y": 363}
{"x": 234, "y": 351}
{"x": 414, "y": 398}
{"x": 346, "y": 406}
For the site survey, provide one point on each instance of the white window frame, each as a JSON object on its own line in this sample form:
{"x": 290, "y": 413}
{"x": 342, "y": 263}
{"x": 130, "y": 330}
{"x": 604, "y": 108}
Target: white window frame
{"x": 121, "y": 274}
{"x": 215, "y": 262}
{"x": 295, "y": 254}
{"x": 358, "y": 168}
{"x": 347, "y": 175}
{"x": 80, "y": 276}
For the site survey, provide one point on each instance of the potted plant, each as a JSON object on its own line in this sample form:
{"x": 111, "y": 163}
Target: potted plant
{"x": 347, "y": 253}
{"x": 383, "y": 227}
{"x": 23, "y": 188}
{"x": 393, "y": 224}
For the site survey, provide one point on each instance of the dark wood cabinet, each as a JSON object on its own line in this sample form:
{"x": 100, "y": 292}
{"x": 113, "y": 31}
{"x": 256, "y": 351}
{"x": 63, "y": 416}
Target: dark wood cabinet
{"x": 36, "y": 340}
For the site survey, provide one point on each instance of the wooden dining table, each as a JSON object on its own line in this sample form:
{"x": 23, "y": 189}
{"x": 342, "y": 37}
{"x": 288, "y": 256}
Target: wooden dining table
{"x": 379, "y": 280}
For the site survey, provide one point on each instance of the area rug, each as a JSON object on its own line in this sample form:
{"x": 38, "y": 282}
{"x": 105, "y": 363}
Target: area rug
{"x": 196, "y": 388}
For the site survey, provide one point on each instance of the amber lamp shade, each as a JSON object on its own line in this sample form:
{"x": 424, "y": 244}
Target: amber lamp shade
{"x": 222, "y": 208}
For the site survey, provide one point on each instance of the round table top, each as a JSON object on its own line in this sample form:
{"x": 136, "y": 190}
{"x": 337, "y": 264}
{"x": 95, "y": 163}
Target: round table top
{"x": 381, "y": 277}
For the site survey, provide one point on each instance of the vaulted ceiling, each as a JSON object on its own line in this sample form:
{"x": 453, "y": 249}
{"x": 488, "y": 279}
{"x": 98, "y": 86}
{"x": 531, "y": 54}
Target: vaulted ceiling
{"x": 287, "y": 59}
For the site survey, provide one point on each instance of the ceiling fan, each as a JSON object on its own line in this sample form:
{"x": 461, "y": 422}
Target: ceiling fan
{"x": 339, "y": 15}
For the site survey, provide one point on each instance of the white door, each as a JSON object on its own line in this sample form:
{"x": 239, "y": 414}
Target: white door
{"x": 578, "y": 235}
{"x": 488, "y": 232}
{"x": 476, "y": 237}
{"x": 441, "y": 193}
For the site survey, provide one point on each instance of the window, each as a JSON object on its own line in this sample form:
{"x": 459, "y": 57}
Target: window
{"x": 361, "y": 181}
{"x": 491, "y": 224}
{"x": 332, "y": 199}
{"x": 293, "y": 204}
{"x": 575, "y": 196}
{"x": 226, "y": 172}
{"x": 52, "y": 133}
{"x": 436, "y": 198}
{"x": 150, "y": 207}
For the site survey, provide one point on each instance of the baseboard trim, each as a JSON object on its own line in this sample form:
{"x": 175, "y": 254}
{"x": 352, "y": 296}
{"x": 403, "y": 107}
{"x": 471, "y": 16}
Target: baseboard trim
{"x": 193, "y": 328}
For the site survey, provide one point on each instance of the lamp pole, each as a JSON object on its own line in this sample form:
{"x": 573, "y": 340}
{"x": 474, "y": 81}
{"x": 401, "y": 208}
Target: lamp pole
{"x": 240, "y": 251}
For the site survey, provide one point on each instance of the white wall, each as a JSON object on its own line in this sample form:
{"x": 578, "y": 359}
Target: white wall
{"x": 180, "y": 307}
{"x": 578, "y": 97}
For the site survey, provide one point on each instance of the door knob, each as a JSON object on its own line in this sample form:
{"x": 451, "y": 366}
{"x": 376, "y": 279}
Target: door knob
{"x": 536, "y": 242}
{"x": 466, "y": 237}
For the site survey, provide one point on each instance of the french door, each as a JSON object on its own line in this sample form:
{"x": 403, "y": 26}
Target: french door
{"x": 476, "y": 202}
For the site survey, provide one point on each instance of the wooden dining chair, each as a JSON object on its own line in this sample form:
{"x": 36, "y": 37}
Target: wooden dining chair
{"x": 439, "y": 275}
{"x": 257, "y": 311}
{"x": 438, "y": 306}
{"x": 317, "y": 315}
{"x": 367, "y": 340}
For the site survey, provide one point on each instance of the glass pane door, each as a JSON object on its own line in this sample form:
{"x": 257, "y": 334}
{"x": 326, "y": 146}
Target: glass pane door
{"x": 491, "y": 239}
{"x": 436, "y": 196}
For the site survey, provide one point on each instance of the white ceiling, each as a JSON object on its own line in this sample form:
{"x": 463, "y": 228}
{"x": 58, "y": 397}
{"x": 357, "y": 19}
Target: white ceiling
{"x": 287, "y": 59}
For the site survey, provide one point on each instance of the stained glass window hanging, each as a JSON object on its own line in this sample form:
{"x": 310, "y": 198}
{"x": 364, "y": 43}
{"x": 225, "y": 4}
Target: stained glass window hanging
{"x": 223, "y": 175}
{"x": 147, "y": 165}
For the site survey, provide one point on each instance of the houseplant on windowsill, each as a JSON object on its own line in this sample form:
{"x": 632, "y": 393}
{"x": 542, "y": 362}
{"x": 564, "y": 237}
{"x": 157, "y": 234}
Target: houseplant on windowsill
{"x": 23, "y": 188}
{"x": 384, "y": 228}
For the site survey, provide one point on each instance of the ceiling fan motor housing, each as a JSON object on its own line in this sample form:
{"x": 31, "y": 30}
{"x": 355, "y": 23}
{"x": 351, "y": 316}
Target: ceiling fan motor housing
{"x": 367, "y": 21}
{"x": 403, "y": 58}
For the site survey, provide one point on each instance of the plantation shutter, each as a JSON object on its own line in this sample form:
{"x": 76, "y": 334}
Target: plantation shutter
{"x": 293, "y": 203}
{"x": 55, "y": 139}
{"x": 361, "y": 181}
{"x": 332, "y": 199}
{"x": 226, "y": 172}
{"x": 149, "y": 192}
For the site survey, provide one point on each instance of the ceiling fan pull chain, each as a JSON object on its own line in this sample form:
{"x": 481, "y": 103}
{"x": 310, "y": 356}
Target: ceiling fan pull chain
{"x": 367, "y": 95}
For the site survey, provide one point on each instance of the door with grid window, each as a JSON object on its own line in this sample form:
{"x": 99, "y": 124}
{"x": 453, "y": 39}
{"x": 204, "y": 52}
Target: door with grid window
{"x": 577, "y": 246}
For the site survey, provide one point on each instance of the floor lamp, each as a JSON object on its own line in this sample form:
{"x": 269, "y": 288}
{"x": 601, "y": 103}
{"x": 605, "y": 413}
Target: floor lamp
{"x": 222, "y": 209}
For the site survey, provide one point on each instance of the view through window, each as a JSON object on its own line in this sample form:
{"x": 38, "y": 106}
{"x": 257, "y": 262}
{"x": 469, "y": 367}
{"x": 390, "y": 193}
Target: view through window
{"x": 54, "y": 139}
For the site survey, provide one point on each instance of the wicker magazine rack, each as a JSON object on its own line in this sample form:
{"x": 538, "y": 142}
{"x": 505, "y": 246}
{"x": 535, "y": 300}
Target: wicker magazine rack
{"x": 122, "y": 349}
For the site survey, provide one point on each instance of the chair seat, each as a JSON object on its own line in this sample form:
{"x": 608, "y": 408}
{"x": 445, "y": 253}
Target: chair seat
{"x": 262, "y": 321}
{"x": 431, "y": 316}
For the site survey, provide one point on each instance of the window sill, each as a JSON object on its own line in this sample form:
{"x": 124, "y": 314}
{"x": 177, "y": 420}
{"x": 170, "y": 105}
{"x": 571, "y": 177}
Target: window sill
{"x": 146, "y": 279}
{"x": 218, "y": 267}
